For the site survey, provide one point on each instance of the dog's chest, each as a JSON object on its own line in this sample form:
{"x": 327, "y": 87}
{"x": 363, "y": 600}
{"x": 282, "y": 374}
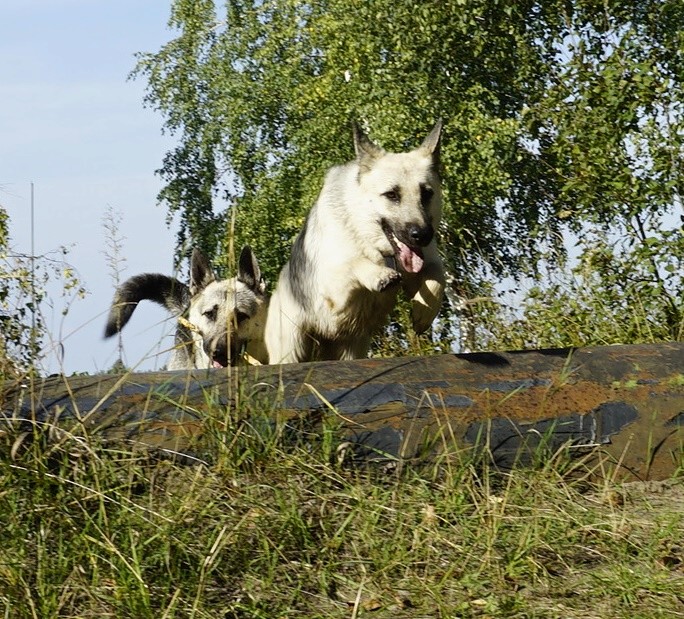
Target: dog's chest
{"x": 359, "y": 312}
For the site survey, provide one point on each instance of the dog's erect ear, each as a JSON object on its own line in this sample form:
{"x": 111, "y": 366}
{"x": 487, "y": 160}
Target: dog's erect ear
{"x": 249, "y": 272}
{"x": 431, "y": 143}
{"x": 201, "y": 274}
{"x": 366, "y": 151}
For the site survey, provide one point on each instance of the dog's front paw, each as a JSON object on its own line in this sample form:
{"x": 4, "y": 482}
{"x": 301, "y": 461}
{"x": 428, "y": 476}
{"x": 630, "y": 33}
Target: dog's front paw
{"x": 389, "y": 279}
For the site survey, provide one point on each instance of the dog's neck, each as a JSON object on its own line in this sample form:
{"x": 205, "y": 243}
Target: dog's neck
{"x": 256, "y": 349}
{"x": 256, "y": 346}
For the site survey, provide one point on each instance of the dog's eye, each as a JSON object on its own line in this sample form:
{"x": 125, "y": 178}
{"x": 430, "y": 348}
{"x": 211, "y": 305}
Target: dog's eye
{"x": 240, "y": 317}
{"x": 211, "y": 314}
{"x": 426, "y": 194}
{"x": 393, "y": 195}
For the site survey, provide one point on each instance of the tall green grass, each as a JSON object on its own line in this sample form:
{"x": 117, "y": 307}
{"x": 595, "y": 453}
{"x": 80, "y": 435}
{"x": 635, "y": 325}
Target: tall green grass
{"x": 277, "y": 527}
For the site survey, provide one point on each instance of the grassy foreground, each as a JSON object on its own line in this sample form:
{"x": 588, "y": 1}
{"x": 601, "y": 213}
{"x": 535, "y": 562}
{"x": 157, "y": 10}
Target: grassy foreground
{"x": 274, "y": 530}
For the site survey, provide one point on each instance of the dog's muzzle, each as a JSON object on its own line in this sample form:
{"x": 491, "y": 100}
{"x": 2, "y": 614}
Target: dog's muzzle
{"x": 223, "y": 351}
{"x": 407, "y": 244}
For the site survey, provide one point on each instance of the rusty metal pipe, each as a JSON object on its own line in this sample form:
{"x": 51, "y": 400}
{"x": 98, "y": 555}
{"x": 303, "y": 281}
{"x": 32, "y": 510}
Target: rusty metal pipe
{"x": 625, "y": 402}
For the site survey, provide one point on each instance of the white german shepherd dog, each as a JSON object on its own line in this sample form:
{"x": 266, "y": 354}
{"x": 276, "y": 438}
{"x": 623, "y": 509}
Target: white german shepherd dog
{"x": 216, "y": 318}
{"x": 371, "y": 232}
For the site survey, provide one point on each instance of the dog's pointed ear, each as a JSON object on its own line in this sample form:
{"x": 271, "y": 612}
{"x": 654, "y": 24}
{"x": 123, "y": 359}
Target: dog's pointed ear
{"x": 249, "y": 272}
{"x": 201, "y": 274}
{"x": 431, "y": 144}
{"x": 366, "y": 151}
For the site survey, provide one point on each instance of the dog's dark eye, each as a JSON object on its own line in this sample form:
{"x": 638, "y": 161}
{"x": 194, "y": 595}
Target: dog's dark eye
{"x": 426, "y": 194}
{"x": 211, "y": 314}
{"x": 393, "y": 195}
{"x": 240, "y": 317}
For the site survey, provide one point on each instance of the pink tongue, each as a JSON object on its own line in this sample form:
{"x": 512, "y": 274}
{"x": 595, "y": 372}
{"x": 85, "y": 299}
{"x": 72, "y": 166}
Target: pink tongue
{"x": 216, "y": 364}
{"x": 411, "y": 261}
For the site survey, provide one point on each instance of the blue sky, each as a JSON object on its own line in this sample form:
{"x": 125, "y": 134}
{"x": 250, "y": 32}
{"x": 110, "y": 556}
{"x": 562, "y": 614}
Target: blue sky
{"x": 73, "y": 124}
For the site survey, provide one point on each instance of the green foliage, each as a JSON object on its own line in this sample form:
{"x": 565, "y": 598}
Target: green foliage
{"x": 22, "y": 329}
{"x": 561, "y": 117}
{"x": 267, "y": 96}
{"x": 626, "y": 290}
{"x": 23, "y": 281}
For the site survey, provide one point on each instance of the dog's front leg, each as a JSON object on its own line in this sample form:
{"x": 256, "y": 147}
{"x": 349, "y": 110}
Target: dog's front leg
{"x": 426, "y": 289}
{"x": 374, "y": 277}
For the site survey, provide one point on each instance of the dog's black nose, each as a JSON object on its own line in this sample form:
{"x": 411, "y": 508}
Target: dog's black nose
{"x": 419, "y": 235}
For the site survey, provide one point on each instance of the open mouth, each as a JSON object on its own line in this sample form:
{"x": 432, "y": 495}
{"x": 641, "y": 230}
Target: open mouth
{"x": 219, "y": 361}
{"x": 220, "y": 358}
{"x": 410, "y": 258}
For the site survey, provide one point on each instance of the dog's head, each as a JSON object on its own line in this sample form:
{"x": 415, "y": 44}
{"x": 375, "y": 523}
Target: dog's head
{"x": 401, "y": 197}
{"x": 226, "y": 314}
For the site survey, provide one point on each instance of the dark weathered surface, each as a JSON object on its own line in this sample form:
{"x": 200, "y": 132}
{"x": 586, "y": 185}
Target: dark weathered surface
{"x": 626, "y": 401}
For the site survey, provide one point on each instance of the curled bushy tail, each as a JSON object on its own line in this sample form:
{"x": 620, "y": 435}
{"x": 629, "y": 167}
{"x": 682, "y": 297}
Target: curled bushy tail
{"x": 162, "y": 289}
